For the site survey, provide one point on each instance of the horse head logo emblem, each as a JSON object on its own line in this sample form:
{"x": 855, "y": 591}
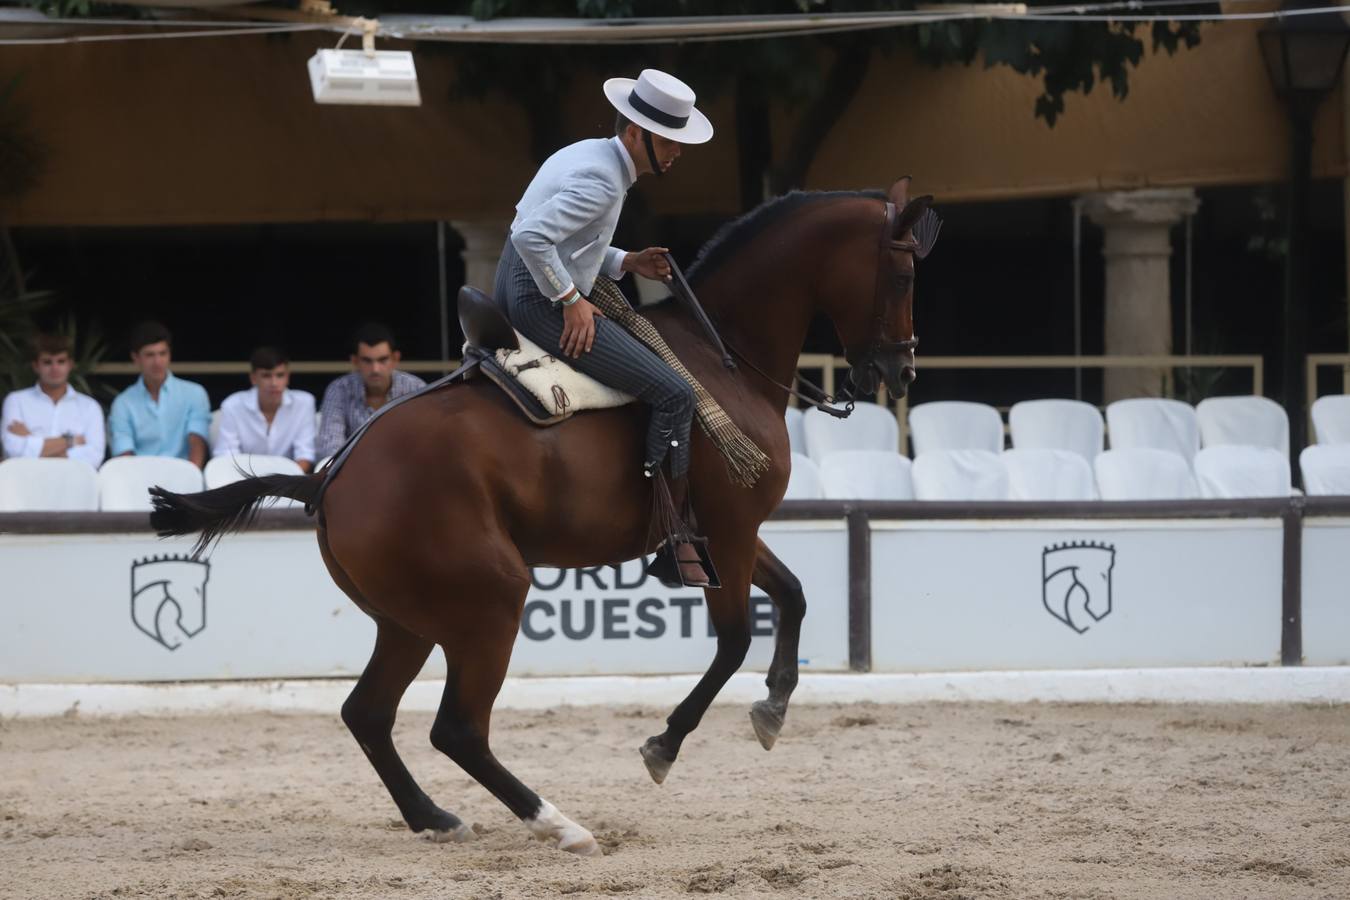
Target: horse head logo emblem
{"x": 168, "y": 598}
{"x": 1076, "y": 582}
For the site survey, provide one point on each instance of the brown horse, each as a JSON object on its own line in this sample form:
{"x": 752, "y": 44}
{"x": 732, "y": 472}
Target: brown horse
{"x": 440, "y": 510}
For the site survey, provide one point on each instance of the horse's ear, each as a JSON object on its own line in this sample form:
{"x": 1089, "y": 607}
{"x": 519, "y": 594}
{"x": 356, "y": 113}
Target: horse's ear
{"x": 899, "y": 192}
{"x": 911, "y": 213}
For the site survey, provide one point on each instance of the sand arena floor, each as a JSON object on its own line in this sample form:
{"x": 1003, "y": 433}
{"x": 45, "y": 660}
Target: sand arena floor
{"x": 930, "y": 801}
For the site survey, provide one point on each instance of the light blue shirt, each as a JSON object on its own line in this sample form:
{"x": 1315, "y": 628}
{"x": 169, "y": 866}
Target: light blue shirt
{"x": 149, "y": 428}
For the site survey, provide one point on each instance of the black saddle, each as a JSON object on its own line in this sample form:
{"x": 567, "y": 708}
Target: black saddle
{"x": 485, "y": 324}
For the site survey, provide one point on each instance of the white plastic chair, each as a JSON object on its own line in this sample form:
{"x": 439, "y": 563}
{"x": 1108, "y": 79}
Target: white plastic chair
{"x": 1057, "y": 425}
{"x": 870, "y": 427}
{"x": 1154, "y": 422}
{"x": 804, "y": 483}
{"x": 1230, "y": 471}
{"x": 796, "y": 429}
{"x": 1326, "y": 469}
{"x": 1249, "y": 421}
{"x": 223, "y": 470}
{"x": 867, "y": 475}
{"x": 1144, "y": 473}
{"x": 955, "y": 425}
{"x": 960, "y": 475}
{"x": 1041, "y": 474}
{"x": 124, "y": 482}
{"x": 1331, "y": 419}
{"x": 55, "y": 484}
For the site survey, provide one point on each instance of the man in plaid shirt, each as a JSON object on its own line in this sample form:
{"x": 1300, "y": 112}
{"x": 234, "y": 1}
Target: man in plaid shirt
{"x": 374, "y": 381}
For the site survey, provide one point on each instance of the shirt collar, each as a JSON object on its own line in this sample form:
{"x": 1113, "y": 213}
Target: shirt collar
{"x": 255, "y": 404}
{"x": 37, "y": 393}
{"x": 628, "y": 164}
{"x": 168, "y": 380}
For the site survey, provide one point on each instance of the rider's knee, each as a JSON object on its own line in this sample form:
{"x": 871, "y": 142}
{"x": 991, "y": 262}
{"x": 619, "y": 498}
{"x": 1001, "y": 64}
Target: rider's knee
{"x": 682, "y": 399}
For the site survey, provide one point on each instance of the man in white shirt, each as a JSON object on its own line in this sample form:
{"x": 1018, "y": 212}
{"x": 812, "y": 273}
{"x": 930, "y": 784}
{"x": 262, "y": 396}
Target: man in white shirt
{"x": 51, "y": 418}
{"x": 269, "y": 418}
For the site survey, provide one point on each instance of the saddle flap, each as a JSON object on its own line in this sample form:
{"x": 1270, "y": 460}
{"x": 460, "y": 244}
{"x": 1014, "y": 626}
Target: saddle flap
{"x": 484, "y": 324}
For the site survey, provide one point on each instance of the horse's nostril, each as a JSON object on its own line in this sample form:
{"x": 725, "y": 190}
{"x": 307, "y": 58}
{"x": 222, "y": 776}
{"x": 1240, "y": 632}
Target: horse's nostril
{"x": 907, "y": 374}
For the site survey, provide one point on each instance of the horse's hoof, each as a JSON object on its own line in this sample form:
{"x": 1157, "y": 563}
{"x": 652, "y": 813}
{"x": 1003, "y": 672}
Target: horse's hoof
{"x": 654, "y": 755}
{"x": 767, "y": 721}
{"x": 460, "y": 834}
{"x": 582, "y": 846}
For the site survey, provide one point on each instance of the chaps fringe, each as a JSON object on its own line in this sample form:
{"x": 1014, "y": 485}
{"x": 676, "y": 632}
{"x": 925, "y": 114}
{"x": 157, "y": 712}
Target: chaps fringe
{"x": 745, "y": 461}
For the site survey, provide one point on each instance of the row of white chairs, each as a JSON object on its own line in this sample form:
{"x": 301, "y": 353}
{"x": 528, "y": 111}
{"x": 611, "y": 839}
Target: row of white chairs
{"x": 1138, "y": 473}
{"x": 1069, "y": 425}
{"x": 122, "y": 484}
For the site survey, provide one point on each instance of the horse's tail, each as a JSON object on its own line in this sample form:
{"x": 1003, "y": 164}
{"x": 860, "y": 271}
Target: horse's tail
{"x": 218, "y": 512}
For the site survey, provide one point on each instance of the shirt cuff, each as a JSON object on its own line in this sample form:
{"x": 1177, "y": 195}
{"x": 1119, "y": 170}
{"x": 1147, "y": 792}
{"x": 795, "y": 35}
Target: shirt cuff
{"x": 567, "y": 290}
{"x": 614, "y": 264}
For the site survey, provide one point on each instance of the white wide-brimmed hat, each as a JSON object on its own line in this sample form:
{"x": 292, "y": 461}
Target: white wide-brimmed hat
{"x": 660, "y": 103}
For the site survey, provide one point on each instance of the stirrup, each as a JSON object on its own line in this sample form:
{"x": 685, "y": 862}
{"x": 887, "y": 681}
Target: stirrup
{"x": 666, "y": 566}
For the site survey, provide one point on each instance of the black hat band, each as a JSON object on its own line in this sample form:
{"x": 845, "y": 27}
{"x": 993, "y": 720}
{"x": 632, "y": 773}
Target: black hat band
{"x": 655, "y": 114}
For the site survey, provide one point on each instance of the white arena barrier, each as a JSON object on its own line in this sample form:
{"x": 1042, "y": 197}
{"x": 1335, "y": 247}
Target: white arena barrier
{"x": 96, "y": 607}
{"x": 905, "y": 587}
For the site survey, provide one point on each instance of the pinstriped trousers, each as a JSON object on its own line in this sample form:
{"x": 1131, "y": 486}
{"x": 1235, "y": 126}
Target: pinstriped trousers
{"x": 616, "y": 359}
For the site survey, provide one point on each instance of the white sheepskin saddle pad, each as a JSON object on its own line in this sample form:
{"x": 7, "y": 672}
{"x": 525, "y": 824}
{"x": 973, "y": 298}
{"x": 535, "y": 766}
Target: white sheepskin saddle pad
{"x": 560, "y": 388}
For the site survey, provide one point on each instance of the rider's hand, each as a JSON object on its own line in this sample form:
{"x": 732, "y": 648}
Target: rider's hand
{"x": 650, "y": 263}
{"x": 578, "y": 328}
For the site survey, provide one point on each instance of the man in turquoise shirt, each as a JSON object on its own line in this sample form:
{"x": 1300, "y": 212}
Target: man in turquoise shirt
{"x": 159, "y": 415}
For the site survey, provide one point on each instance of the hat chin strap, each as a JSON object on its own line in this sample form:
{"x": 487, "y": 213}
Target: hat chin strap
{"x": 651, "y": 152}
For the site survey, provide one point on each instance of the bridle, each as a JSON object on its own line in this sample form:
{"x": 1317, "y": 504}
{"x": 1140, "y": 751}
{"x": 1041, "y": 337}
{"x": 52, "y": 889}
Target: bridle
{"x": 876, "y": 346}
{"x": 815, "y": 396}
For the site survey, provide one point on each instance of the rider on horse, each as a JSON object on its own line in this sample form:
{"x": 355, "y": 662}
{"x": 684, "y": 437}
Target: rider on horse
{"x": 560, "y": 242}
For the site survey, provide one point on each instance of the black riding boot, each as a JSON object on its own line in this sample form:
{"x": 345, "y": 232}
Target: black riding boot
{"x": 682, "y": 558}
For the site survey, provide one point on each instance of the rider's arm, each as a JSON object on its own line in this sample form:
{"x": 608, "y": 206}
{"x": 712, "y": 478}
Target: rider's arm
{"x": 581, "y": 201}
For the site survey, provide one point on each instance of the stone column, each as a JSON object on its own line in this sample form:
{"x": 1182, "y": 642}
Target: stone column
{"x": 1138, "y": 252}
{"x": 482, "y": 248}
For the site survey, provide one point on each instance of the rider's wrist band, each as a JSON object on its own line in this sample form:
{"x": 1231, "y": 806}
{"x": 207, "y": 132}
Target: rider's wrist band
{"x": 568, "y": 301}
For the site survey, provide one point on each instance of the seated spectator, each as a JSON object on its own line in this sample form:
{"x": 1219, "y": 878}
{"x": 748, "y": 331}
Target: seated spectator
{"x": 159, "y": 415}
{"x": 270, "y": 418}
{"x": 352, "y": 399}
{"x": 51, "y": 418}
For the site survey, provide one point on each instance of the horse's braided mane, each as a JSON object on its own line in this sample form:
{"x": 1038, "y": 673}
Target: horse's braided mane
{"x": 735, "y": 234}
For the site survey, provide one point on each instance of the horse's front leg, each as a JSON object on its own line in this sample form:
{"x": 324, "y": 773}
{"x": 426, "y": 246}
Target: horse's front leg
{"x": 783, "y": 588}
{"x": 729, "y": 608}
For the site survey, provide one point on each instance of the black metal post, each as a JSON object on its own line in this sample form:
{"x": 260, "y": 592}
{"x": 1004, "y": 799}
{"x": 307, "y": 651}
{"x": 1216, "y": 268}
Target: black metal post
{"x": 1295, "y": 336}
{"x": 859, "y": 590}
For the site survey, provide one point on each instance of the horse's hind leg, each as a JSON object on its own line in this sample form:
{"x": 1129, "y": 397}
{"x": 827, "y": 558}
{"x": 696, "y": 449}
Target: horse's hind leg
{"x": 369, "y": 713}
{"x": 783, "y": 588}
{"x": 477, "y": 650}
